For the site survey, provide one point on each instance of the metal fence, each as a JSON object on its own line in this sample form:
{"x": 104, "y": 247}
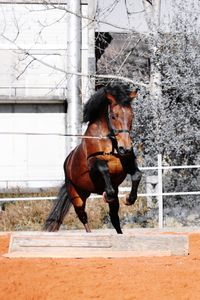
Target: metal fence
{"x": 159, "y": 194}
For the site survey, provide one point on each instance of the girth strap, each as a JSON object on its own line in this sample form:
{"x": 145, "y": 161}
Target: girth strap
{"x": 102, "y": 153}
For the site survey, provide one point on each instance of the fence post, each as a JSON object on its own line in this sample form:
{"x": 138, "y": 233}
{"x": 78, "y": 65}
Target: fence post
{"x": 160, "y": 192}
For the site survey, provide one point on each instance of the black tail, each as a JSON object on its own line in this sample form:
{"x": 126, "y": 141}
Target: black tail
{"x": 59, "y": 210}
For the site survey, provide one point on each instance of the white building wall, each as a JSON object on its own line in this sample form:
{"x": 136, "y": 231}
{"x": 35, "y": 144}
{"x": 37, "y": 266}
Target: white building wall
{"x": 33, "y": 43}
{"x": 33, "y": 58}
{"x": 30, "y": 161}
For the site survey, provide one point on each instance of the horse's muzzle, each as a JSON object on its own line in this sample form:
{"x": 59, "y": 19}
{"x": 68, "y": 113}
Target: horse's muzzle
{"x": 124, "y": 151}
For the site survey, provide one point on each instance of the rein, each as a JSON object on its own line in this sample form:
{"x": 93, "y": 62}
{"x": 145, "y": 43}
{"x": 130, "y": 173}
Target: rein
{"x": 111, "y": 135}
{"x": 56, "y": 134}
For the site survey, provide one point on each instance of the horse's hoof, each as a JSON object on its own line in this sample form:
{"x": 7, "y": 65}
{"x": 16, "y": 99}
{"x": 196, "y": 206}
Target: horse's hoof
{"x": 87, "y": 228}
{"x": 127, "y": 203}
{"x": 106, "y": 199}
{"x": 130, "y": 201}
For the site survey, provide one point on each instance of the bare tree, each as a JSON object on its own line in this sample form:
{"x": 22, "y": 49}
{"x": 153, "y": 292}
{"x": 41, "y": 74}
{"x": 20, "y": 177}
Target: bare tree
{"x": 29, "y": 59}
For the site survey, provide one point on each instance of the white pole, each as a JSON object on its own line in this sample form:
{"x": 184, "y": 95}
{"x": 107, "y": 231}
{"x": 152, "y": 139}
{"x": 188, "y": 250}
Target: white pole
{"x": 74, "y": 67}
{"x": 160, "y": 192}
{"x": 155, "y": 75}
{"x": 88, "y": 49}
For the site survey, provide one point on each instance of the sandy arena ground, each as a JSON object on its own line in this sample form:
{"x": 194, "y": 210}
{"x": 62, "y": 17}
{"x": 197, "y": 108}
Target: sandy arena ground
{"x": 141, "y": 278}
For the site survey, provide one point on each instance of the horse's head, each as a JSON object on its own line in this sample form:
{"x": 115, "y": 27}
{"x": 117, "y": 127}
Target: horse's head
{"x": 120, "y": 117}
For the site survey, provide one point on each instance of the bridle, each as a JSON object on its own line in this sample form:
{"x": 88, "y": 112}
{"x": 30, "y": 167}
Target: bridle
{"x": 114, "y": 131}
{"x": 112, "y": 136}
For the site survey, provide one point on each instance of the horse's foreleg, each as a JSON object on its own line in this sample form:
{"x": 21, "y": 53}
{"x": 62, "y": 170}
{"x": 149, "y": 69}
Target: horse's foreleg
{"x": 114, "y": 217}
{"x": 100, "y": 167}
{"x": 130, "y": 167}
{"x": 135, "y": 180}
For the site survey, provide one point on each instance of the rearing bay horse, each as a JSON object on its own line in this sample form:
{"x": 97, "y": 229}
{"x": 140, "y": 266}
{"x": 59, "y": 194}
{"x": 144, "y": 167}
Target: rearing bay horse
{"x": 99, "y": 165}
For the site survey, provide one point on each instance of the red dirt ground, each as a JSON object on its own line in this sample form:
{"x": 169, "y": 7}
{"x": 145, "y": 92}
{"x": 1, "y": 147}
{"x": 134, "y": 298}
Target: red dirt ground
{"x": 143, "y": 278}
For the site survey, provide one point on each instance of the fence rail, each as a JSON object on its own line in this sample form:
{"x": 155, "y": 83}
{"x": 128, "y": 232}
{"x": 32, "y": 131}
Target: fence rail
{"x": 122, "y": 190}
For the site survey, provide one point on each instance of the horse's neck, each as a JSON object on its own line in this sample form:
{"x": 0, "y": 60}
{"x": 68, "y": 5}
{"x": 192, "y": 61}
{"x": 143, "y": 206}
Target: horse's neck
{"x": 98, "y": 128}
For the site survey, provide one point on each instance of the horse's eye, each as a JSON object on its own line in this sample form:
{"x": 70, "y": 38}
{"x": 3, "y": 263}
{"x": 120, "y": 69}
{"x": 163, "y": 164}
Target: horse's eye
{"x": 114, "y": 116}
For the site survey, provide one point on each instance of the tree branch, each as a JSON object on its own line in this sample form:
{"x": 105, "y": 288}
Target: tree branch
{"x": 77, "y": 73}
{"x": 24, "y": 70}
{"x": 149, "y": 1}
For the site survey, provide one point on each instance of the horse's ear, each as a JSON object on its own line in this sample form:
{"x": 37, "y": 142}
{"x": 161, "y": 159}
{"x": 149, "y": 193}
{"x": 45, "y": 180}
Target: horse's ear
{"x": 111, "y": 98}
{"x": 133, "y": 94}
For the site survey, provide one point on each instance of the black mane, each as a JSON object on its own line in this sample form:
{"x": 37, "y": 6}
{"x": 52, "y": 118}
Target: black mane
{"x": 98, "y": 101}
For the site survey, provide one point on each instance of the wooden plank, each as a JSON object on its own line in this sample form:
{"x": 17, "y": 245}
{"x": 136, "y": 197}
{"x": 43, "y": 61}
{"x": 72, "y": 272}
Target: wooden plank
{"x": 102, "y": 243}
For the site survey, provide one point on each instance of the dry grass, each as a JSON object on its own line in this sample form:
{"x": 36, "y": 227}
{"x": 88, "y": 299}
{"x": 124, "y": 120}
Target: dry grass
{"x": 31, "y": 215}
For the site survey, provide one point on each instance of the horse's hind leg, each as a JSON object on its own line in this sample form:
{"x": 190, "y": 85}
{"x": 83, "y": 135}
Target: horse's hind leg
{"x": 114, "y": 217}
{"x": 79, "y": 200}
{"x": 81, "y": 213}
